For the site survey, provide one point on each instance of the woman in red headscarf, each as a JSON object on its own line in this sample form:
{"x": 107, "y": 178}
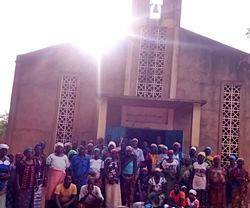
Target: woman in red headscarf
{"x": 217, "y": 181}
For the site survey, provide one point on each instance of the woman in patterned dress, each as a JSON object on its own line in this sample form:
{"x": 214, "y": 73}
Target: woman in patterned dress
{"x": 217, "y": 180}
{"x": 170, "y": 168}
{"x": 112, "y": 168}
{"x": 26, "y": 180}
{"x": 240, "y": 182}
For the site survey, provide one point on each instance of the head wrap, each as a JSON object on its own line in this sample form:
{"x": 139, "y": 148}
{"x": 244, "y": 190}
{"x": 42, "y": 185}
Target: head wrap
{"x": 232, "y": 157}
{"x": 192, "y": 191}
{"x": 97, "y": 150}
{"x": 193, "y": 148}
{"x": 216, "y": 157}
{"x": 177, "y": 144}
{"x": 72, "y": 152}
{"x": 183, "y": 187}
{"x": 153, "y": 145}
{"x": 111, "y": 143}
{"x": 27, "y": 150}
{"x": 165, "y": 147}
{"x": 129, "y": 148}
{"x": 4, "y": 146}
{"x": 240, "y": 159}
{"x": 90, "y": 144}
{"x": 19, "y": 155}
{"x": 59, "y": 144}
{"x": 68, "y": 144}
{"x": 202, "y": 154}
{"x": 208, "y": 148}
{"x": 135, "y": 140}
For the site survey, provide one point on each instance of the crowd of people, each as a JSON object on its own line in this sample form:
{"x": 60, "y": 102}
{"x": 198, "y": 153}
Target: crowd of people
{"x": 120, "y": 174}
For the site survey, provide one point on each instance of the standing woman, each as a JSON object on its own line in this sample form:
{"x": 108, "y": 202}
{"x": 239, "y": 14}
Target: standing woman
{"x": 57, "y": 163}
{"x": 129, "y": 172}
{"x": 79, "y": 167}
{"x": 4, "y": 173}
{"x": 240, "y": 182}
{"x": 170, "y": 168}
{"x": 26, "y": 180}
{"x": 40, "y": 160}
{"x": 112, "y": 169}
{"x": 200, "y": 178}
{"x": 95, "y": 167}
{"x": 229, "y": 179}
{"x": 216, "y": 179}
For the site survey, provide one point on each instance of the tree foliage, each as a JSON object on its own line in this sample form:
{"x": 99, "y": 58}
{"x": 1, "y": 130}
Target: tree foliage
{"x": 3, "y": 124}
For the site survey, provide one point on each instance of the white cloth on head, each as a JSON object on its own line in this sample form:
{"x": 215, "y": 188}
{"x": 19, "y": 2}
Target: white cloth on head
{"x": 192, "y": 191}
{"x": 4, "y": 146}
{"x": 58, "y": 162}
{"x": 59, "y": 144}
{"x": 111, "y": 143}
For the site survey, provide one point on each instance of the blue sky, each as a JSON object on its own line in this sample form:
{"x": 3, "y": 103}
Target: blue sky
{"x": 29, "y": 25}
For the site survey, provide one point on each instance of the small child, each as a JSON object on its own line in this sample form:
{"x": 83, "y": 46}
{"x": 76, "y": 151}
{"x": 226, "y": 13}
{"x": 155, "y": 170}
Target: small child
{"x": 192, "y": 202}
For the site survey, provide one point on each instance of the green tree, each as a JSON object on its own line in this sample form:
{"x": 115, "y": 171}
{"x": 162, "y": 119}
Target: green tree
{"x": 3, "y": 124}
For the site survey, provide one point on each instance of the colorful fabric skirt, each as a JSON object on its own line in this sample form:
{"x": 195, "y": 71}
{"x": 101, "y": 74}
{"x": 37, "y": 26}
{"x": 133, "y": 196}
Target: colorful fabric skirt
{"x": 25, "y": 198}
{"x": 55, "y": 177}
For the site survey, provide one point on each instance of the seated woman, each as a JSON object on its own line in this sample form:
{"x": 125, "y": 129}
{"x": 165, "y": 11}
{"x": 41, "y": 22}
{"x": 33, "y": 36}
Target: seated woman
{"x": 192, "y": 202}
{"x": 157, "y": 185}
{"x": 65, "y": 193}
{"x": 177, "y": 198}
{"x": 90, "y": 195}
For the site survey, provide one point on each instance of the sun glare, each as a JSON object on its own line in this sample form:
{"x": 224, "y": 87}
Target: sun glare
{"x": 98, "y": 25}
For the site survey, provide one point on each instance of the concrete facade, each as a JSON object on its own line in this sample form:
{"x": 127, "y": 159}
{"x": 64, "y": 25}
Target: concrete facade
{"x": 196, "y": 69}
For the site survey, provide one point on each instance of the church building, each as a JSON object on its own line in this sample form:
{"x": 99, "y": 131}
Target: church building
{"x": 162, "y": 81}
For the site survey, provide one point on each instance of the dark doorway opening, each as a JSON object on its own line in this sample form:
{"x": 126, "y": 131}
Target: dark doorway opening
{"x": 149, "y": 135}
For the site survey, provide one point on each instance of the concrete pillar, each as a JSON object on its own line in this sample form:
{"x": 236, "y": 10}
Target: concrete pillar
{"x": 196, "y": 122}
{"x": 102, "y": 117}
{"x": 175, "y": 60}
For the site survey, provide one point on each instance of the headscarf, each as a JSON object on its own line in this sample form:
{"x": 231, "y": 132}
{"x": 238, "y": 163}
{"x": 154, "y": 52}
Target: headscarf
{"x": 240, "y": 159}
{"x": 202, "y": 153}
{"x": 97, "y": 150}
{"x": 58, "y": 144}
{"x": 232, "y": 157}
{"x": 177, "y": 144}
{"x": 192, "y": 191}
{"x": 208, "y": 148}
{"x": 69, "y": 144}
{"x": 27, "y": 149}
{"x": 193, "y": 148}
{"x": 111, "y": 143}
{"x": 4, "y": 146}
{"x": 153, "y": 145}
{"x": 135, "y": 140}
{"x": 216, "y": 157}
{"x": 71, "y": 153}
